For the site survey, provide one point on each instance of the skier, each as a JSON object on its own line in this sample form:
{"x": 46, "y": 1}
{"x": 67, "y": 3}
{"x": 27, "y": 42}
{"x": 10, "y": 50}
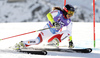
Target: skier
{"x": 58, "y": 18}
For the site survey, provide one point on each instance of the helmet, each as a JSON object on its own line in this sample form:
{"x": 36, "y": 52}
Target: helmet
{"x": 68, "y": 9}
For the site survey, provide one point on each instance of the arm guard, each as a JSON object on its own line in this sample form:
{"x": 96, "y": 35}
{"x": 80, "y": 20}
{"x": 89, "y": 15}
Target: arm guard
{"x": 70, "y": 38}
{"x": 50, "y": 18}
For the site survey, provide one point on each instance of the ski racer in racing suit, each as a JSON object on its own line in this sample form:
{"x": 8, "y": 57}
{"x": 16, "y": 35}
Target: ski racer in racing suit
{"x": 58, "y": 19}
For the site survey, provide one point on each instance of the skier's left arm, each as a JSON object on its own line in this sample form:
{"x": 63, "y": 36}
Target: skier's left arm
{"x": 69, "y": 28}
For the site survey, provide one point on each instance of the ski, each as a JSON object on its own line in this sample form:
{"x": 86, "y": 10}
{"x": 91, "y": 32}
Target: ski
{"x": 37, "y": 52}
{"x": 85, "y": 50}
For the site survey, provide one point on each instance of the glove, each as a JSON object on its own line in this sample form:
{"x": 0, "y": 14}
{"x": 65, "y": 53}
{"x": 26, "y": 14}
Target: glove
{"x": 57, "y": 25}
{"x": 71, "y": 44}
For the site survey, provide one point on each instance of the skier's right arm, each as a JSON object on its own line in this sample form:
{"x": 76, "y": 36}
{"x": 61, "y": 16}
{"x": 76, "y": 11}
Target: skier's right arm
{"x": 51, "y": 15}
{"x": 50, "y": 18}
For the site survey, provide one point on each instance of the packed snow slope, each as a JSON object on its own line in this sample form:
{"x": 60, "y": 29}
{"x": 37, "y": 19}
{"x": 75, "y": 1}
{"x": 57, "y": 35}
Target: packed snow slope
{"x": 82, "y": 37}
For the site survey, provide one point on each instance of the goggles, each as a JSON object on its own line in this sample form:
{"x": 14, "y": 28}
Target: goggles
{"x": 68, "y": 11}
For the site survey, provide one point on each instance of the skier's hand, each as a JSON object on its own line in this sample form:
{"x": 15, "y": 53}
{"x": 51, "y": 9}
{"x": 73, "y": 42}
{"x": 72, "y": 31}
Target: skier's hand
{"x": 57, "y": 25}
{"x": 71, "y": 45}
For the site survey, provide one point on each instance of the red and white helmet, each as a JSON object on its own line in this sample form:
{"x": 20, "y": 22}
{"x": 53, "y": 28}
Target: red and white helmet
{"x": 68, "y": 9}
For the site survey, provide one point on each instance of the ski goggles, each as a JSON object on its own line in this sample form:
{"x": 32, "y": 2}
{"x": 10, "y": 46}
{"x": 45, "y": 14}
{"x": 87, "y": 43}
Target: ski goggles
{"x": 68, "y": 11}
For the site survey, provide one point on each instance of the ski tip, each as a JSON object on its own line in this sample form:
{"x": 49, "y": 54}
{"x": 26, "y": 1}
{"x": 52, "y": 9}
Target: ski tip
{"x": 45, "y": 52}
{"x": 89, "y": 50}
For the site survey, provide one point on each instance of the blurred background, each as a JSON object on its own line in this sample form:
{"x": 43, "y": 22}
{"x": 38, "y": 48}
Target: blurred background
{"x": 36, "y": 10}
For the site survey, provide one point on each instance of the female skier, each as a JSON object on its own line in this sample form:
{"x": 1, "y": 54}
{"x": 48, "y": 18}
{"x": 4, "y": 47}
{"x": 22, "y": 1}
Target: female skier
{"x": 58, "y": 18}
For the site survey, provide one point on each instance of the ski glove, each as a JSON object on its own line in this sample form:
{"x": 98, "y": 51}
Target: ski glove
{"x": 56, "y": 25}
{"x": 71, "y": 44}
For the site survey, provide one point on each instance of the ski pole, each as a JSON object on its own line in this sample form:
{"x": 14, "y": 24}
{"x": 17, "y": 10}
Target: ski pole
{"x": 25, "y": 33}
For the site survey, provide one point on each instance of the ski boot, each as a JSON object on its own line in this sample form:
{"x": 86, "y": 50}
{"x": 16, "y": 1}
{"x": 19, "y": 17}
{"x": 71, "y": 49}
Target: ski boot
{"x": 54, "y": 42}
{"x": 71, "y": 44}
{"x": 19, "y": 45}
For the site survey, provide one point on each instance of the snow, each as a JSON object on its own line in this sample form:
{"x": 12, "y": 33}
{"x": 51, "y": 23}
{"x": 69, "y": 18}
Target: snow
{"x": 32, "y": 12}
{"x": 82, "y": 38}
